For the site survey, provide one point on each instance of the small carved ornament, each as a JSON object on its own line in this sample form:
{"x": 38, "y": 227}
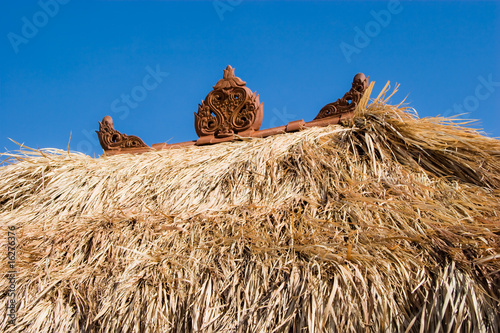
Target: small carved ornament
{"x": 349, "y": 102}
{"x": 111, "y": 139}
{"x": 229, "y": 109}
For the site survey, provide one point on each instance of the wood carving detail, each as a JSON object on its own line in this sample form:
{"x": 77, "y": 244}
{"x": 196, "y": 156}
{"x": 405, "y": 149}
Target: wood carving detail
{"x": 230, "y": 108}
{"x": 349, "y": 102}
{"x": 111, "y": 139}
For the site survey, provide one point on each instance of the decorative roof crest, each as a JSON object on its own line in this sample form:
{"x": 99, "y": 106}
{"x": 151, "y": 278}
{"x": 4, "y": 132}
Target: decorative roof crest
{"x": 350, "y": 100}
{"x": 230, "y": 111}
{"x": 231, "y": 108}
{"x": 111, "y": 139}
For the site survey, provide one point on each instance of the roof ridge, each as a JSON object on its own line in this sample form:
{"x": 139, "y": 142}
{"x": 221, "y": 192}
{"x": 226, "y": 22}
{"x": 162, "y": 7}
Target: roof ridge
{"x": 231, "y": 111}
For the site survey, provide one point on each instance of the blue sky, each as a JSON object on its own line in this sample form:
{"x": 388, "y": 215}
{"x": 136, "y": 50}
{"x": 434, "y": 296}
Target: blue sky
{"x": 66, "y": 64}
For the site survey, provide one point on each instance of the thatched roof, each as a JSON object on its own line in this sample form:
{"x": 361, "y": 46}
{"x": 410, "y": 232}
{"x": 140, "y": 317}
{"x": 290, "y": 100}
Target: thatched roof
{"x": 390, "y": 223}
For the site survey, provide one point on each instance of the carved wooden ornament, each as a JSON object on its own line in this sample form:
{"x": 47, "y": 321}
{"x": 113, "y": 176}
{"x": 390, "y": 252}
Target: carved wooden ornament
{"x": 111, "y": 139}
{"x": 229, "y": 109}
{"x": 349, "y": 102}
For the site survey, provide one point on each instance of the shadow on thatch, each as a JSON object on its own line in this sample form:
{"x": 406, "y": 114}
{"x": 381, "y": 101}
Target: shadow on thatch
{"x": 388, "y": 224}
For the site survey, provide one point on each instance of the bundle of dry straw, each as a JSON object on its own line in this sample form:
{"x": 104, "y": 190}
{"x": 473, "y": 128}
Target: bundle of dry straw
{"x": 390, "y": 223}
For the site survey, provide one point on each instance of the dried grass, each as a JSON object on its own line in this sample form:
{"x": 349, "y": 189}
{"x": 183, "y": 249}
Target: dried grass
{"x": 388, "y": 224}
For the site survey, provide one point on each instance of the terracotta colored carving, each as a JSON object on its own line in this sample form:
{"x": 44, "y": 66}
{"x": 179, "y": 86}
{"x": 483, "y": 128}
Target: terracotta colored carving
{"x": 111, "y": 139}
{"x": 349, "y": 102}
{"x": 230, "y": 108}
{"x": 230, "y": 111}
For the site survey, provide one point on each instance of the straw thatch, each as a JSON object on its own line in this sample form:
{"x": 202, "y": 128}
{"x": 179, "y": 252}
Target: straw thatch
{"x": 389, "y": 223}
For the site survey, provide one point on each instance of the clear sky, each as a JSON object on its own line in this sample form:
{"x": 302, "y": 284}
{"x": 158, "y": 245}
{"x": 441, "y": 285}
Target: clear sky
{"x": 64, "y": 65}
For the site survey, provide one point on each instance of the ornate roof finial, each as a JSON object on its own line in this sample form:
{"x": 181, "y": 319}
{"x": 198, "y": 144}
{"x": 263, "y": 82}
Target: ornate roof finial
{"x": 111, "y": 139}
{"x": 349, "y": 102}
{"x": 229, "y": 109}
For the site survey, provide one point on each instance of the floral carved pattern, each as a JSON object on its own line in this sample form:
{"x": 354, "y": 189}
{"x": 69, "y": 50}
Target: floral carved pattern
{"x": 349, "y": 102}
{"x": 111, "y": 139}
{"x": 230, "y": 108}
{"x": 231, "y": 111}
